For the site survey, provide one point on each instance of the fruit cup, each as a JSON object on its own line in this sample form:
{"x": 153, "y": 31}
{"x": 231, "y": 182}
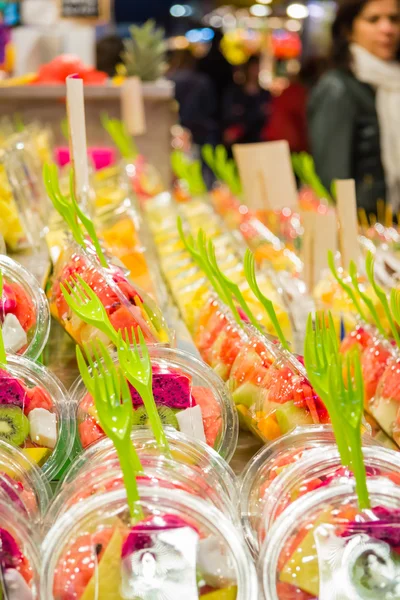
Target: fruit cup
{"x": 158, "y": 471}
{"x": 35, "y": 414}
{"x": 190, "y": 398}
{"x": 314, "y": 471}
{"x": 181, "y": 548}
{"x": 24, "y": 311}
{"x": 385, "y": 406}
{"x": 284, "y": 399}
{"x": 22, "y": 484}
{"x": 324, "y": 546}
{"x": 210, "y": 466}
{"x": 145, "y": 179}
{"x": 126, "y": 305}
{"x": 19, "y": 558}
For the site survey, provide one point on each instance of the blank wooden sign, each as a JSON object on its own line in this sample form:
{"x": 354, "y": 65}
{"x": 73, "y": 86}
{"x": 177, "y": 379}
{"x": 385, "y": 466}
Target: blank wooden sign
{"x": 132, "y": 106}
{"x": 320, "y": 236}
{"x": 267, "y": 175}
{"x": 348, "y": 224}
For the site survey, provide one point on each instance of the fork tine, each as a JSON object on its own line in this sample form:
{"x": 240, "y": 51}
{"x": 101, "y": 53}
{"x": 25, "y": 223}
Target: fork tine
{"x": 143, "y": 346}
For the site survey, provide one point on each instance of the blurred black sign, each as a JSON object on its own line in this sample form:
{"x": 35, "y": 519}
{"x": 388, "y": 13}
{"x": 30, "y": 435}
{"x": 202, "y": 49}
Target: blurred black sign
{"x": 81, "y": 9}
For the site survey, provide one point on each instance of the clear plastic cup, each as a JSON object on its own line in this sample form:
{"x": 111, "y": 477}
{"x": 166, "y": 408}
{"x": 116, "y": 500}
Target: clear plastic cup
{"x": 158, "y": 471}
{"x": 35, "y": 414}
{"x": 22, "y": 483}
{"x": 190, "y": 398}
{"x": 188, "y": 451}
{"x": 24, "y": 311}
{"x": 126, "y": 305}
{"x": 324, "y": 546}
{"x": 385, "y": 405}
{"x": 314, "y": 471}
{"x": 19, "y": 556}
{"x": 182, "y": 548}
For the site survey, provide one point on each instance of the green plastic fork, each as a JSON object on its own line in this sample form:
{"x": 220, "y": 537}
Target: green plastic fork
{"x": 320, "y": 348}
{"x": 85, "y": 303}
{"x": 87, "y": 223}
{"x": 347, "y": 387}
{"x": 250, "y": 272}
{"x": 353, "y": 272}
{"x": 114, "y": 408}
{"x": 369, "y": 267}
{"x": 3, "y": 355}
{"x": 345, "y": 287}
{"x": 136, "y": 367}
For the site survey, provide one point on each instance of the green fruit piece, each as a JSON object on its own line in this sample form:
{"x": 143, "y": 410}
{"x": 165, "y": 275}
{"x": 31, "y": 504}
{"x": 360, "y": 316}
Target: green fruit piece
{"x": 288, "y": 416}
{"x": 14, "y": 425}
{"x": 229, "y": 593}
{"x": 385, "y": 413}
{"x": 301, "y": 570}
{"x": 247, "y": 394}
{"x": 167, "y": 416}
{"x": 140, "y": 417}
{"x": 106, "y": 582}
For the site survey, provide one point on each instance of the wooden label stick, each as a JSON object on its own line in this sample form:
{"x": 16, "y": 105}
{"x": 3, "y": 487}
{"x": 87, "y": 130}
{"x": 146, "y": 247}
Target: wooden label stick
{"x": 348, "y": 224}
{"x": 320, "y": 235}
{"x": 267, "y": 175}
{"x": 132, "y": 106}
{"x": 77, "y": 135}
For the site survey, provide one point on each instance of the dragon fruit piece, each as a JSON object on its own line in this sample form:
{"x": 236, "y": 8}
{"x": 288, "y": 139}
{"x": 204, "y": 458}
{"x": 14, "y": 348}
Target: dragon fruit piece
{"x": 12, "y": 488}
{"x": 10, "y": 554}
{"x": 169, "y": 389}
{"x": 386, "y": 529}
{"x": 140, "y": 534}
{"x": 8, "y": 301}
{"x": 11, "y": 390}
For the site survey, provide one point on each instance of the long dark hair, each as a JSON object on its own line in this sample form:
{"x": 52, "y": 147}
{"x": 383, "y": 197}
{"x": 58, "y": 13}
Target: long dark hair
{"x": 348, "y": 11}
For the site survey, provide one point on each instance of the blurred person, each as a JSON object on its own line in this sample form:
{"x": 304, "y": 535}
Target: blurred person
{"x": 354, "y": 111}
{"x": 195, "y": 95}
{"x": 108, "y": 54}
{"x": 246, "y": 105}
{"x": 288, "y": 114}
{"x": 218, "y": 69}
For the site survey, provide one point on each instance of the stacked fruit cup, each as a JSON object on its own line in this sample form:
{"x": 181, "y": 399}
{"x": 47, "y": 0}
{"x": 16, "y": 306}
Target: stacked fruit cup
{"x": 126, "y": 305}
{"x": 189, "y": 397}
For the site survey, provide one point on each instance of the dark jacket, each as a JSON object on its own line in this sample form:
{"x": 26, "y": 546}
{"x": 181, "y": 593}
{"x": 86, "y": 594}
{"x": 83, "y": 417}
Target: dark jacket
{"x": 344, "y": 135}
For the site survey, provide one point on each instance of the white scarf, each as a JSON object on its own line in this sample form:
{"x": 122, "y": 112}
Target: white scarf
{"x": 384, "y": 77}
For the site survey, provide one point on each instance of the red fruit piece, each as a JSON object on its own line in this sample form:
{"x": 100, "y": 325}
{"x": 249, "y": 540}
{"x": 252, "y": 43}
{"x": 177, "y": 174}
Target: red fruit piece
{"x": 38, "y": 397}
{"x": 211, "y": 413}
{"x": 12, "y": 390}
{"x": 281, "y": 384}
{"x": 373, "y": 362}
{"x": 78, "y": 564}
{"x": 25, "y": 308}
{"x": 89, "y": 432}
{"x": 286, "y": 591}
{"x": 359, "y": 336}
{"x": 391, "y": 381}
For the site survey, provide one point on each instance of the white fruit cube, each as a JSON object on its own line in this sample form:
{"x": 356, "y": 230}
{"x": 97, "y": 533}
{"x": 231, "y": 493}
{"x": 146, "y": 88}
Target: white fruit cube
{"x": 191, "y": 422}
{"x": 14, "y": 335}
{"x": 43, "y": 428}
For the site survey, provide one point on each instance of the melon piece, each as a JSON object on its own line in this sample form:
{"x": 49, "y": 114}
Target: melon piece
{"x": 301, "y": 570}
{"x": 228, "y": 593}
{"x": 289, "y": 416}
{"x": 248, "y": 394}
{"x": 37, "y": 455}
{"x": 385, "y": 411}
{"x": 106, "y": 581}
{"x": 211, "y": 412}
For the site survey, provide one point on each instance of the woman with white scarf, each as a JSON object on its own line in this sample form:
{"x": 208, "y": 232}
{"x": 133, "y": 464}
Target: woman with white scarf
{"x": 354, "y": 111}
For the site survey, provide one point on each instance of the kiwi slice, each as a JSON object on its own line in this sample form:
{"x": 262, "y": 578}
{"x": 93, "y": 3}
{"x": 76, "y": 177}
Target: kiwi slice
{"x": 167, "y": 416}
{"x": 14, "y": 425}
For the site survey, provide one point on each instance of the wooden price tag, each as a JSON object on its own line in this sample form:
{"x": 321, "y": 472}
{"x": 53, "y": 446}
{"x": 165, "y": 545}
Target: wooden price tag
{"x": 320, "y": 235}
{"x": 77, "y": 135}
{"x": 267, "y": 175}
{"x": 132, "y": 106}
{"x": 346, "y": 206}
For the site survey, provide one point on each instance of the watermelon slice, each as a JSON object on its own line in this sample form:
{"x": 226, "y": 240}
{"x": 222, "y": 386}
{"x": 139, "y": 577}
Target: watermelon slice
{"x": 373, "y": 363}
{"x": 390, "y": 381}
{"x": 24, "y": 308}
{"x": 358, "y": 337}
{"x": 211, "y": 413}
{"x": 89, "y": 431}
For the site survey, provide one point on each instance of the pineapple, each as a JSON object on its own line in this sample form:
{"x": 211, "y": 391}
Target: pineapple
{"x": 144, "y": 55}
